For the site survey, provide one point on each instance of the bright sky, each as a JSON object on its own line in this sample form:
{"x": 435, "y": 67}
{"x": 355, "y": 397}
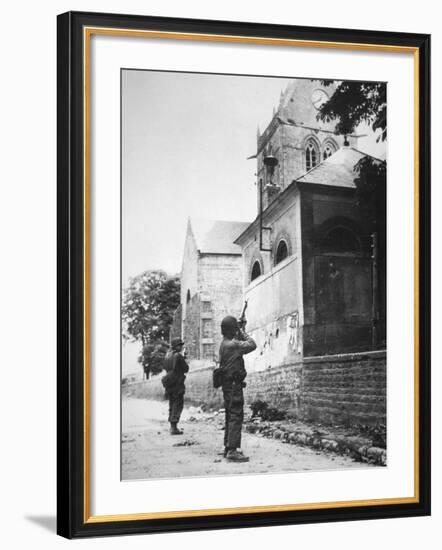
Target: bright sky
{"x": 186, "y": 138}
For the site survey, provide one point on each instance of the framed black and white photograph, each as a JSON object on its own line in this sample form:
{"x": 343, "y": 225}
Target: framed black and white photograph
{"x": 243, "y": 274}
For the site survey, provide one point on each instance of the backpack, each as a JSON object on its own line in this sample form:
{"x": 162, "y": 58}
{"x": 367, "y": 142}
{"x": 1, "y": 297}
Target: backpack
{"x": 218, "y": 377}
{"x": 168, "y": 381}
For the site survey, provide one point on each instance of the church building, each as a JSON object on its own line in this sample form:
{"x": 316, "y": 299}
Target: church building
{"x": 307, "y": 266}
{"x": 309, "y": 269}
{"x": 211, "y": 286}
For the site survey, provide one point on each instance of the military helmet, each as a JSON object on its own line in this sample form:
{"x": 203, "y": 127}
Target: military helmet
{"x": 176, "y": 343}
{"x": 229, "y": 326}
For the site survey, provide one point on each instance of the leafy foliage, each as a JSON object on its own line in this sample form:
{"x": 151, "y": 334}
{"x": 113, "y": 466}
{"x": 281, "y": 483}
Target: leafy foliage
{"x": 355, "y": 102}
{"x": 377, "y": 433}
{"x": 148, "y": 305}
{"x": 371, "y": 196}
{"x": 147, "y": 312}
{"x": 351, "y": 104}
{"x": 265, "y": 412}
{"x": 152, "y": 356}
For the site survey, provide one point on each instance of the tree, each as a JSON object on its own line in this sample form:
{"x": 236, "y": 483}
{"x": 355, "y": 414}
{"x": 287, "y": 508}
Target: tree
{"x": 371, "y": 196}
{"x": 353, "y": 103}
{"x": 147, "y": 313}
{"x": 152, "y": 356}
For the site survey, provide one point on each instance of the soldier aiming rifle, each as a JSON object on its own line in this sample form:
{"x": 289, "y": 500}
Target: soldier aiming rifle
{"x": 242, "y": 321}
{"x": 232, "y": 374}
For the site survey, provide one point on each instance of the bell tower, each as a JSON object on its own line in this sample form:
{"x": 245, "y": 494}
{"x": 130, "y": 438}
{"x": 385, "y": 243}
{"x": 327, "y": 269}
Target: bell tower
{"x": 295, "y": 141}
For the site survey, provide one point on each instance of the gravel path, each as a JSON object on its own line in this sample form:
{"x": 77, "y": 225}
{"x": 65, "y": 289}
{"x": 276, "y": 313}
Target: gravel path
{"x": 149, "y": 451}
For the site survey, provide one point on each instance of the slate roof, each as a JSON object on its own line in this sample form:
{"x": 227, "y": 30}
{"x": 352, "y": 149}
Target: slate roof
{"x": 337, "y": 170}
{"x": 217, "y": 236}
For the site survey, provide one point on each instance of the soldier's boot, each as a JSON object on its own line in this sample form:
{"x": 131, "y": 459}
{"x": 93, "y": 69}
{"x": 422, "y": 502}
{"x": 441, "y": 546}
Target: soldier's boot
{"x": 174, "y": 429}
{"x": 223, "y": 452}
{"x": 234, "y": 455}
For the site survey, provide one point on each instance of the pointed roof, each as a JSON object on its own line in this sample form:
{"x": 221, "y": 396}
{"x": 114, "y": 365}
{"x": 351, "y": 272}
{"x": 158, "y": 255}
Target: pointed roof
{"x": 286, "y": 95}
{"x": 217, "y": 236}
{"x": 337, "y": 170}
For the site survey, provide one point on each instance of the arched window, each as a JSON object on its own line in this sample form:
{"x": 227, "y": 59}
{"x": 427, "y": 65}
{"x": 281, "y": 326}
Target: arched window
{"x": 256, "y": 270}
{"x": 281, "y": 252}
{"x": 188, "y": 297}
{"x": 340, "y": 240}
{"x": 328, "y": 151}
{"x": 311, "y": 155}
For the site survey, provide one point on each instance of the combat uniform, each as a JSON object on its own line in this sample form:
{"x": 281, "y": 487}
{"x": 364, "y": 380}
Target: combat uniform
{"x": 231, "y": 361}
{"x": 176, "y": 366}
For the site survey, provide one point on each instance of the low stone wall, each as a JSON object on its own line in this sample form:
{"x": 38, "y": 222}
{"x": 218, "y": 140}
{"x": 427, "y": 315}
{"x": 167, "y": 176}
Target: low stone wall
{"x": 146, "y": 389}
{"x": 343, "y": 389}
{"x": 199, "y": 388}
{"x": 279, "y": 386}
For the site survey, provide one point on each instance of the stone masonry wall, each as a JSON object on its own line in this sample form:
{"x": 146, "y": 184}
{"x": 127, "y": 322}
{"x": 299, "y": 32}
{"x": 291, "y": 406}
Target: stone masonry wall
{"x": 343, "y": 389}
{"x": 279, "y": 386}
{"x": 218, "y": 293}
{"x": 177, "y": 321}
{"x": 192, "y": 327}
{"x": 199, "y": 388}
{"x": 349, "y": 389}
{"x": 220, "y": 283}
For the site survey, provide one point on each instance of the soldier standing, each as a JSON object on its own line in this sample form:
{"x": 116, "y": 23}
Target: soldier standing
{"x": 176, "y": 367}
{"x": 235, "y": 344}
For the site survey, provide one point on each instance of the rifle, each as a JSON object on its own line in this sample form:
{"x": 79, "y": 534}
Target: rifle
{"x": 242, "y": 318}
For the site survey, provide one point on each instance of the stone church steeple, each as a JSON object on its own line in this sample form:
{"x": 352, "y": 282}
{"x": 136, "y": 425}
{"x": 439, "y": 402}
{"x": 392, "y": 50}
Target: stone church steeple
{"x": 295, "y": 137}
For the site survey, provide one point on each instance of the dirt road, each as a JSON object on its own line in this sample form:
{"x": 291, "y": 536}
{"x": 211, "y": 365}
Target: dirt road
{"x": 149, "y": 451}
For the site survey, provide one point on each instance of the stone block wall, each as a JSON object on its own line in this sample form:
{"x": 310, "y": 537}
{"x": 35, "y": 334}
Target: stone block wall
{"x": 199, "y": 389}
{"x": 189, "y": 270}
{"x": 280, "y": 387}
{"x": 220, "y": 283}
{"x": 344, "y": 389}
{"x": 177, "y": 320}
{"x": 218, "y": 293}
{"x": 192, "y": 327}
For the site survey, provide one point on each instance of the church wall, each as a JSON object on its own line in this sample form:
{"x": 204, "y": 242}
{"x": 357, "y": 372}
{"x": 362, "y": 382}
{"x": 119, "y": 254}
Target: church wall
{"x": 192, "y": 328}
{"x": 177, "y": 323}
{"x": 274, "y": 314}
{"x": 190, "y": 309}
{"x": 293, "y": 163}
{"x": 294, "y": 144}
{"x": 284, "y": 223}
{"x": 333, "y": 203}
{"x": 220, "y": 284}
{"x": 288, "y": 144}
{"x": 218, "y": 293}
{"x": 337, "y": 289}
{"x": 189, "y": 270}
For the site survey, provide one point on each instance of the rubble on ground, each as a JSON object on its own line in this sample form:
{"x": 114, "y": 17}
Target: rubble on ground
{"x": 335, "y": 439}
{"x": 185, "y": 443}
{"x": 361, "y": 443}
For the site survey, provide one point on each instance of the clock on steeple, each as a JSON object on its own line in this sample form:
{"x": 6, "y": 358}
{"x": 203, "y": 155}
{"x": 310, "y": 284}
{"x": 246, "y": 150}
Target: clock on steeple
{"x": 319, "y": 97}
